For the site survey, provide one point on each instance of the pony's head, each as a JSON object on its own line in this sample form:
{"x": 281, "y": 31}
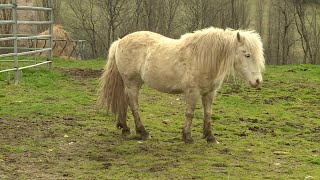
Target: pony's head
{"x": 249, "y": 60}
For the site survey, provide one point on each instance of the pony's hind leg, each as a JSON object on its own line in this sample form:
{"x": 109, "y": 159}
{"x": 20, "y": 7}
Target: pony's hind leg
{"x": 122, "y": 121}
{"x": 207, "y": 132}
{"x": 133, "y": 92}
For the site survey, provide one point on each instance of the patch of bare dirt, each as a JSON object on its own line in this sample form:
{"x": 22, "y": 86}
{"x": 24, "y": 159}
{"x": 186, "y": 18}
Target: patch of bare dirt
{"x": 31, "y": 148}
{"x": 81, "y": 73}
{"x": 232, "y": 89}
{"x": 262, "y": 130}
{"x": 274, "y": 100}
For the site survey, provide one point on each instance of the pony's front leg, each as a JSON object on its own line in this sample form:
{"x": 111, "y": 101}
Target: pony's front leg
{"x": 133, "y": 93}
{"x": 207, "y": 102}
{"x": 191, "y": 101}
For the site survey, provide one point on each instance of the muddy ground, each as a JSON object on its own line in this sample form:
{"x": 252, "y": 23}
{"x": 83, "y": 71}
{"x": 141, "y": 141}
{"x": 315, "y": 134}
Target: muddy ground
{"x": 50, "y": 128}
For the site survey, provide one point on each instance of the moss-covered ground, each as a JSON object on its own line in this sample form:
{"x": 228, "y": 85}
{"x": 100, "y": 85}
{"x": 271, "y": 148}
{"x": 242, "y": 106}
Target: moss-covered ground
{"x": 50, "y": 129}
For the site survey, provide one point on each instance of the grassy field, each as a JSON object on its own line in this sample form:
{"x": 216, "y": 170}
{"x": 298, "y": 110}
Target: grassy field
{"x": 51, "y": 129}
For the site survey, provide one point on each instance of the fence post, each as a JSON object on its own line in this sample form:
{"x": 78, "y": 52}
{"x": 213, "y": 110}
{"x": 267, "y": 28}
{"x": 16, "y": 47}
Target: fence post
{"x": 51, "y": 14}
{"x": 15, "y": 41}
{"x": 81, "y": 49}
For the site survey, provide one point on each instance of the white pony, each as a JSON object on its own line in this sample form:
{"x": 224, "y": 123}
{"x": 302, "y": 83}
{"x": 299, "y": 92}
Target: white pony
{"x": 195, "y": 65}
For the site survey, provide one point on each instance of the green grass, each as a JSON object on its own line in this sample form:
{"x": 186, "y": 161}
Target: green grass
{"x": 51, "y": 129}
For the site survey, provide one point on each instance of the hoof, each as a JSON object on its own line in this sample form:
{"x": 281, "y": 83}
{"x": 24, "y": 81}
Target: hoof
{"x": 122, "y": 126}
{"x": 187, "y": 138}
{"x": 119, "y": 125}
{"x": 188, "y": 141}
{"x": 212, "y": 139}
{"x": 145, "y": 137}
{"x": 144, "y": 134}
{"x": 126, "y": 132}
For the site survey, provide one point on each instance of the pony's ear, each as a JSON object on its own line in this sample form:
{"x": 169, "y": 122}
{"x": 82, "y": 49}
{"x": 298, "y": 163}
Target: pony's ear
{"x": 238, "y": 37}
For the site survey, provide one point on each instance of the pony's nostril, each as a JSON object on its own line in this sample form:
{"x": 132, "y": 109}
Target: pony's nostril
{"x": 258, "y": 81}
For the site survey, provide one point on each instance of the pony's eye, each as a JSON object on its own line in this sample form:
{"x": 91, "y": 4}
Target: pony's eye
{"x": 247, "y": 55}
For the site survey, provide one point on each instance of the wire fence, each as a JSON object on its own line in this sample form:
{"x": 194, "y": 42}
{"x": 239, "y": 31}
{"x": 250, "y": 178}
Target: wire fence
{"x": 15, "y": 37}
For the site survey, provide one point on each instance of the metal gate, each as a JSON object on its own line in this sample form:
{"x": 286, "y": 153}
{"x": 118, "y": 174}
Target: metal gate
{"x": 15, "y": 37}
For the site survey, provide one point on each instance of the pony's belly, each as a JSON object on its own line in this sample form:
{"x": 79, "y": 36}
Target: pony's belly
{"x": 170, "y": 90}
{"x": 164, "y": 74}
{"x": 165, "y": 84}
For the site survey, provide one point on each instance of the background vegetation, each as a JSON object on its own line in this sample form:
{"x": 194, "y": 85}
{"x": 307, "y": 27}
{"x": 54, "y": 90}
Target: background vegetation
{"x": 290, "y": 28}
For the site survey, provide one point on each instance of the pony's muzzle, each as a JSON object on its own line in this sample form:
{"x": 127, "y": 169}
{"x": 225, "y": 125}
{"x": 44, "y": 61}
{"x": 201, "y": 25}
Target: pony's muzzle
{"x": 255, "y": 84}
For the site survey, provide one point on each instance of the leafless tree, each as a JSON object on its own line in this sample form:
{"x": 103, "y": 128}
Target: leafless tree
{"x": 113, "y": 11}
{"x": 150, "y": 14}
{"x": 260, "y": 5}
{"x": 281, "y": 23}
{"x": 200, "y": 14}
{"x": 239, "y": 14}
{"x": 5, "y": 14}
{"x": 157, "y": 15}
{"x": 44, "y": 15}
{"x": 281, "y": 38}
{"x": 308, "y": 28}
{"x": 286, "y": 19}
{"x": 171, "y": 8}
{"x": 85, "y": 19}
{"x": 315, "y": 33}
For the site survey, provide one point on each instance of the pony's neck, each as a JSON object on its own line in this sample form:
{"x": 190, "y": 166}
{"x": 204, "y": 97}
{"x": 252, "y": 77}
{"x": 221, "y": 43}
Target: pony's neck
{"x": 212, "y": 51}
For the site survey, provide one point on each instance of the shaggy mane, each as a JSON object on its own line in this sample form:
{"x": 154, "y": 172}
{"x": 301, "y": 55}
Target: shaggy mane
{"x": 214, "y": 49}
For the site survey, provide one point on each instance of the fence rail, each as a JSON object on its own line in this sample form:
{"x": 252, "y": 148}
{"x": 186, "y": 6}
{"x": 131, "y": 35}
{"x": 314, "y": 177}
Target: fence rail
{"x": 25, "y": 53}
{"x": 26, "y": 37}
{"x": 15, "y": 38}
{"x": 78, "y": 45}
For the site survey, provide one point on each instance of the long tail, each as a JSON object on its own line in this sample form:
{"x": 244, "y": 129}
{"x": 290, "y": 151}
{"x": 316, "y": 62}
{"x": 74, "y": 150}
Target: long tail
{"x": 111, "y": 89}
